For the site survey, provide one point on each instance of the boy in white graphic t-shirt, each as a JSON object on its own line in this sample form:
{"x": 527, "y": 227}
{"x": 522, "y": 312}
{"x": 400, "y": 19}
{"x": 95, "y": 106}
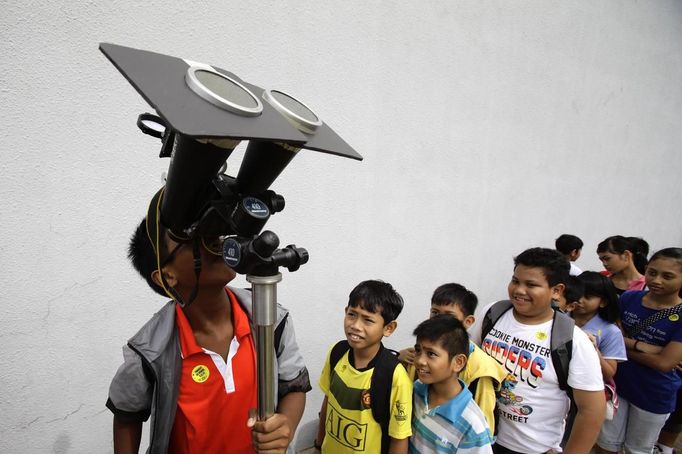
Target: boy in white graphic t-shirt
{"x": 531, "y": 407}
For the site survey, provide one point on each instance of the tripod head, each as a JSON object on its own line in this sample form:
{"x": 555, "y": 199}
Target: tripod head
{"x": 260, "y": 257}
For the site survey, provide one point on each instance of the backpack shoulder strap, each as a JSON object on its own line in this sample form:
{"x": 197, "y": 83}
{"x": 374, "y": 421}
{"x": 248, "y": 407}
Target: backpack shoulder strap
{"x": 561, "y": 347}
{"x": 493, "y": 315}
{"x": 473, "y": 386}
{"x": 380, "y": 392}
{"x": 337, "y": 352}
{"x": 653, "y": 318}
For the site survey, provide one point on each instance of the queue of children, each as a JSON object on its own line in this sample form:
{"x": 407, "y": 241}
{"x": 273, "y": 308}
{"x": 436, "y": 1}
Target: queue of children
{"x": 555, "y": 347}
{"x": 533, "y": 381}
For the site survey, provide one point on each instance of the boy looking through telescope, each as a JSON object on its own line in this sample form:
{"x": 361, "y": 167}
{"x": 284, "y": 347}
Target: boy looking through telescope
{"x": 192, "y": 366}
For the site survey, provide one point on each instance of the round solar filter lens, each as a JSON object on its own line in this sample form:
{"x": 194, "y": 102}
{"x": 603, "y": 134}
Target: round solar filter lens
{"x": 223, "y": 91}
{"x": 298, "y": 114}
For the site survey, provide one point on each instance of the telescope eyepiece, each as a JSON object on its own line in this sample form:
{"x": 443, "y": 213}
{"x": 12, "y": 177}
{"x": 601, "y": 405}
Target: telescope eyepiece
{"x": 249, "y": 216}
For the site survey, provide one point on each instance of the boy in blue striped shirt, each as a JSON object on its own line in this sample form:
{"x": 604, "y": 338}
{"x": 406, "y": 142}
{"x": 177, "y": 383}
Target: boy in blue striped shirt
{"x": 445, "y": 418}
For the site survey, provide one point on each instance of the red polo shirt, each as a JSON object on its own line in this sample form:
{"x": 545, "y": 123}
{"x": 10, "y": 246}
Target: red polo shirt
{"x": 215, "y": 395}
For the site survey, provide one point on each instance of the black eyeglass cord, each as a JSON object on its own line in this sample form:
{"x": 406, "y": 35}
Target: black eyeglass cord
{"x": 196, "y": 252}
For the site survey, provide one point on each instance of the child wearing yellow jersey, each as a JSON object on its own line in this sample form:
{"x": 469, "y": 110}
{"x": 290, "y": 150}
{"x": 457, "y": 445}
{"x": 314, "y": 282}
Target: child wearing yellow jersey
{"x": 482, "y": 374}
{"x": 349, "y": 422}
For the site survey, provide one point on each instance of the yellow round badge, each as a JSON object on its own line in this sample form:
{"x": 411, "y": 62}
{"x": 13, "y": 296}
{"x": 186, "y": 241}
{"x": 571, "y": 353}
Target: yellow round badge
{"x": 200, "y": 373}
{"x": 541, "y": 335}
{"x": 674, "y": 318}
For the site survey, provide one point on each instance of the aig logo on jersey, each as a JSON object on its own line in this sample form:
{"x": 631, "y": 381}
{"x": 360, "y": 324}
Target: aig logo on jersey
{"x": 346, "y": 431}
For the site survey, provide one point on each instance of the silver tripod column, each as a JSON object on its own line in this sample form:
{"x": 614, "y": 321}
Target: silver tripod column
{"x": 264, "y": 289}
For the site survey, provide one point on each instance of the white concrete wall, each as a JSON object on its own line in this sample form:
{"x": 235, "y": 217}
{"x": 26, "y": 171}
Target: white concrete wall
{"x": 486, "y": 127}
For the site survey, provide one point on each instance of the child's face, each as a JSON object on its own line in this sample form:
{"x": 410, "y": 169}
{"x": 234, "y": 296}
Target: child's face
{"x": 614, "y": 263}
{"x": 531, "y": 295}
{"x": 574, "y": 255}
{"x": 365, "y": 329}
{"x": 664, "y": 276}
{"x": 433, "y": 364}
{"x": 455, "y": 311}
{"x": 564, "y": 305}
{"x": 179, "y": 266}
{"x": 589, "y": 305}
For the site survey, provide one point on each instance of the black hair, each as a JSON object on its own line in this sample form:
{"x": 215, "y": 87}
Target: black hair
{"x": 618, "y": 244}
{"x": 596, "y": 284}
{"x": 447, "y": 331}
{"x": 575, "y": 289}
{"x": 567, "y": 243}
{"x": 553, "y": 263}
{"x": 455, "y": 294}
{"x": 674, "y": 253}
{"x": 141, "y": 254}
{"x": 640, "y": 250}
{"x": 374, "y": 295}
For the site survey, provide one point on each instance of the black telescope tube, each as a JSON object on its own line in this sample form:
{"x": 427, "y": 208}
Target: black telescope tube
{"x": 188, "y": 186}
{"x": 262, "y": 164}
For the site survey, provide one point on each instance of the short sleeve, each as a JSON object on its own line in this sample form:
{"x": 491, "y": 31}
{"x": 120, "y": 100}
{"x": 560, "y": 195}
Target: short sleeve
{"x": 611, "y": 343}
{"x": 130, "y": 392}
{"x": 584, "y": 371}
{"x": 289, "y": 360}
{"x": 486, "y": 399}
{"x": 677, "y": 336}
{"x": 624, "y": 301}
{"x": 292, "y": 375}
{"x": 400, "y": 424}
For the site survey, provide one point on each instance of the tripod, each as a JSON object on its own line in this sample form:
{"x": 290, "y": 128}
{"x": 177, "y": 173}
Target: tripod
{"x": 260, "y": 260}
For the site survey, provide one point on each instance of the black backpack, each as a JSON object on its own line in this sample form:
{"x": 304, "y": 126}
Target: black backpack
{"x": 561, "y": 339}
{"x": 380, "y": 385}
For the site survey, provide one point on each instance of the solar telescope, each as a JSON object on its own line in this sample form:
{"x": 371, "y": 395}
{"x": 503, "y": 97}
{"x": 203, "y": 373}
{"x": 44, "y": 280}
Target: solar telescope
{"x": 202, "y": 113}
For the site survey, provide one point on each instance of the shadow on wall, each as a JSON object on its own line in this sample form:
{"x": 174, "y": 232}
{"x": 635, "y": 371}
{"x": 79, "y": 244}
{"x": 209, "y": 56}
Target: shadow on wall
{"x": 62, "y": 444}
{"x": 305, "y": 436}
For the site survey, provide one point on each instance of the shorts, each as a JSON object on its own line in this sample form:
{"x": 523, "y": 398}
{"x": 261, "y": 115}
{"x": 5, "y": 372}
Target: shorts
{"x": 632, "y": 429}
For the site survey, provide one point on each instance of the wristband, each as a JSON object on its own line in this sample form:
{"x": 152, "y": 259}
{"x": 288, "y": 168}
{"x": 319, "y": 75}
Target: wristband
{"x": 635, "y": 346}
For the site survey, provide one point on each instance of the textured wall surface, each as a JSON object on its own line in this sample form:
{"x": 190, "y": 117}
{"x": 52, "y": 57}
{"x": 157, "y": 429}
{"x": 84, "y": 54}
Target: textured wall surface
{"x": 486, "y": 127}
